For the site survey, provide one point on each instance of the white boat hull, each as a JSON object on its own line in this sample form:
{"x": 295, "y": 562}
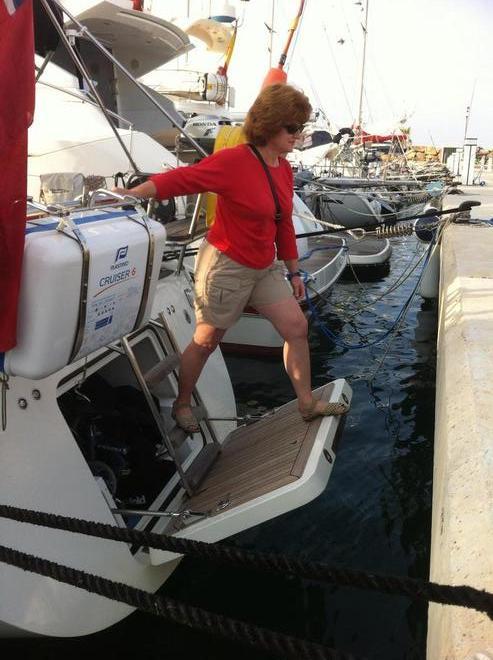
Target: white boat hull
{"x": 42, "y": 468}
{"x": 368, "y": 251}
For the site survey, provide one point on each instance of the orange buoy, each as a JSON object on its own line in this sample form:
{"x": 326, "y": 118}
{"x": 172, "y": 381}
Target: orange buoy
{"x": 278, "y": 75}
{"x": 275, "y": 75}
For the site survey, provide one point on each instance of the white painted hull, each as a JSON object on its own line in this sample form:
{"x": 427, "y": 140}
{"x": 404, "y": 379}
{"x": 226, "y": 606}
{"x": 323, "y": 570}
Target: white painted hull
{"x": 349, "y": 209}
{"x": 42, "y": 468}
{"x": 69, "y": 135}
{"x": 372, "y": 259}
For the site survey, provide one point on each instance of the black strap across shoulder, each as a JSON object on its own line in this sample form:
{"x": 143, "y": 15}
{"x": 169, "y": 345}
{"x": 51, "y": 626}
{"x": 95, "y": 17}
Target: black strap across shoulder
{"x": 277, "y": 216}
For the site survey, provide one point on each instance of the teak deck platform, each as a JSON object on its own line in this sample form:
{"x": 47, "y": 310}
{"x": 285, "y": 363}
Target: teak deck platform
{"x": 260, "y": 458}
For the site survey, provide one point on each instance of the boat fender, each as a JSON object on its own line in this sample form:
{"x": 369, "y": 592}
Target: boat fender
{"x": 430, "y": 280}
{"x": 425, "y": 228}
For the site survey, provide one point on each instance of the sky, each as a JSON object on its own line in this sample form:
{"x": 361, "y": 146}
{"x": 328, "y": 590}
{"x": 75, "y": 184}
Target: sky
{"x": 426, "y": 60}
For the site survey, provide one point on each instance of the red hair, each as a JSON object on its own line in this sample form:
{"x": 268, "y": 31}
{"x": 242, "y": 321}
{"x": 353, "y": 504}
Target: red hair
{"x": 276, "y": 106}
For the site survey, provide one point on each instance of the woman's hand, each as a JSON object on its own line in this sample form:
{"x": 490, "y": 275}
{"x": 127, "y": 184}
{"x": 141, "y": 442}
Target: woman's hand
{"x": 142, "y": 191}
{"x": 298, "y": 287}
{"x": 120, "y": 191}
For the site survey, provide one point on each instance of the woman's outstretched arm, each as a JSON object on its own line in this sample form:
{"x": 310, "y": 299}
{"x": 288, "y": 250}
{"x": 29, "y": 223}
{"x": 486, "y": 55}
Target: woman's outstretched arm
{"x": 212, "y": 174}
{"x": 143, "y": 190}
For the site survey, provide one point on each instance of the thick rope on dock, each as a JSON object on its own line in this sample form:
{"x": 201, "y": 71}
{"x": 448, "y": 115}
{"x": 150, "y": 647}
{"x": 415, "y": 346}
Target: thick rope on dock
{"x": 461, "y": 595}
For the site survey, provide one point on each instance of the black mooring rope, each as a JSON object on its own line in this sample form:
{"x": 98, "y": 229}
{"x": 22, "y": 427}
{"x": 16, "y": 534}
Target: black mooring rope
{"x": 461, "y": 595}
{"x": 197, "y": 618}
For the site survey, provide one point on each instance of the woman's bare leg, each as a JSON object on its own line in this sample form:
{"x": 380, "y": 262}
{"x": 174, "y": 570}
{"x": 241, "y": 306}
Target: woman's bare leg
{"x": 290, "y": 322}
{"x": 194, "y": 357}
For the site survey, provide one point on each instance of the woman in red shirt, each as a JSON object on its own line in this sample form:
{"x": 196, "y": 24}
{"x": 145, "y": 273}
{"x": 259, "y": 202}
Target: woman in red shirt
{"x": 252, "y": 227}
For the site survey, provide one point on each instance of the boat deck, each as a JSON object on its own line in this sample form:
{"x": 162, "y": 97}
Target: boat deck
{"x": 258, "y": 459}
{"x": 330, "y": 244}
{"x": 365, "y": 246}
{"x": 177, "y": 230}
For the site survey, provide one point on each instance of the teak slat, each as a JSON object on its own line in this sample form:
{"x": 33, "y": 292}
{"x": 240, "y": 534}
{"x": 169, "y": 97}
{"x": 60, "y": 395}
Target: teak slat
{"x": 260, "y": 458}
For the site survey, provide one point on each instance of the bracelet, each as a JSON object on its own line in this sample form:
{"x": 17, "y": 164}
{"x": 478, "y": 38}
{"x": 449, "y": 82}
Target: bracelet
{"x": 290, "y": 276}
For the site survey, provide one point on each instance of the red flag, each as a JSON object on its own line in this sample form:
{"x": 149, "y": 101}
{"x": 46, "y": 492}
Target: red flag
{"x": 16, "y": 113}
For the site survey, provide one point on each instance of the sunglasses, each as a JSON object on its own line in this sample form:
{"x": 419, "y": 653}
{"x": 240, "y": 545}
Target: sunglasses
{"x": 294, "y": 128}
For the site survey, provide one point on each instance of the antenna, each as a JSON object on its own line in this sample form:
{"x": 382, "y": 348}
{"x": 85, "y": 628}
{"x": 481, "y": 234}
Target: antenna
{"x": 468, "y": 109}
{"x": 365, "y": 34}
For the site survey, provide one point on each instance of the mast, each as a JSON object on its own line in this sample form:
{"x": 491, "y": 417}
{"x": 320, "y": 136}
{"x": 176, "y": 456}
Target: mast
{"x": 271, "y": 45}
{"x": 468, "y": 109}
{"x": 277, "y": 74}
{"x": 360, "y": 104}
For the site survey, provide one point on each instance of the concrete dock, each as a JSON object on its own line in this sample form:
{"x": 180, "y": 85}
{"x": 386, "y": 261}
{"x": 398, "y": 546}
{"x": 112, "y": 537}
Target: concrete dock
{"x": 462, "y": 527}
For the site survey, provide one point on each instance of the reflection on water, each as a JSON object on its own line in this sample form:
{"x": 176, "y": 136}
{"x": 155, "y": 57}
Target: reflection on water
{"x": 374, "y": 515}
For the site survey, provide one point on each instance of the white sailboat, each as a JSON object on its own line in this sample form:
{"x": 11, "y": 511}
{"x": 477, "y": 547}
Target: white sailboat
{"x": 100, "y": 324}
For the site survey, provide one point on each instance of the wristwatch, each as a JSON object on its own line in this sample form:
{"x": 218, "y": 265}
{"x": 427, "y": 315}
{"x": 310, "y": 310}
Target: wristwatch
{"x": 290, "y": 276}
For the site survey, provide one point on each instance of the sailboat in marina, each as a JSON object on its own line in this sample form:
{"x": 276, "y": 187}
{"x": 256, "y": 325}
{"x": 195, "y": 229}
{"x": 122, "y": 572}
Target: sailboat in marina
{"x": 343, "y": 180}
{"x": 89, "y": 358}
{"x": 64, "y": 147}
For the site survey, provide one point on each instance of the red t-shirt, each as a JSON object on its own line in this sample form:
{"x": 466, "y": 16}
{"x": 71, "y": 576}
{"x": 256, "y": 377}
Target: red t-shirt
{"x": 244, "y": 227}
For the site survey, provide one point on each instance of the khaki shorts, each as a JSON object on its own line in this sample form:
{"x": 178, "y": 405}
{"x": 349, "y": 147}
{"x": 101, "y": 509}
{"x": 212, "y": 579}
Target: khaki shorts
{"x": 223, "y": 287}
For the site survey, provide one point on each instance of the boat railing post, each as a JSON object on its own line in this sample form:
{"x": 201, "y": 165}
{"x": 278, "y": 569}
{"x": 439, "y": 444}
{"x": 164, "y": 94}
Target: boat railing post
{"x": 191, "y": 231}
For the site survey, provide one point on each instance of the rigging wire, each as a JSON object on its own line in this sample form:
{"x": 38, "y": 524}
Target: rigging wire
{"x": 336, "y": 339}
{"x": 356, "y": 54}
{"x": 313, "y": 87}
{"x": 383, "y": 85}
{"x": 347, "y": 308}
{"x": 296, "y": 35}
{"x": 341, "y": 81}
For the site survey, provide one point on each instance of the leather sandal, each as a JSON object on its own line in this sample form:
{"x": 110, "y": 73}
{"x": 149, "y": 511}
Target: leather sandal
{"x": 184, "y": 417}
{"x": 326, "y": 410}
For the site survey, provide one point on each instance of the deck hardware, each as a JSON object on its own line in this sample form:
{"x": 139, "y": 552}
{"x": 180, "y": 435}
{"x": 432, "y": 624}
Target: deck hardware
{"x": 22, "y": 403}
{"x": 4, "y": 386}
{"x": 188, "y": 318}
{"x": 156, "y": 324}
{"x": 194, "y": 474}
{"x": 116, "y": 349}
{"x": 36, "y": 394}
{"x": 187, "y": 513}
{"x": 153, "y": 409}
{"x": 344, "y": 398}
{"x": 328, "y": 456}
{"x": 191, "y": 231}
{"x": 223, "y": 504}
{"x": 245, "y": 419}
